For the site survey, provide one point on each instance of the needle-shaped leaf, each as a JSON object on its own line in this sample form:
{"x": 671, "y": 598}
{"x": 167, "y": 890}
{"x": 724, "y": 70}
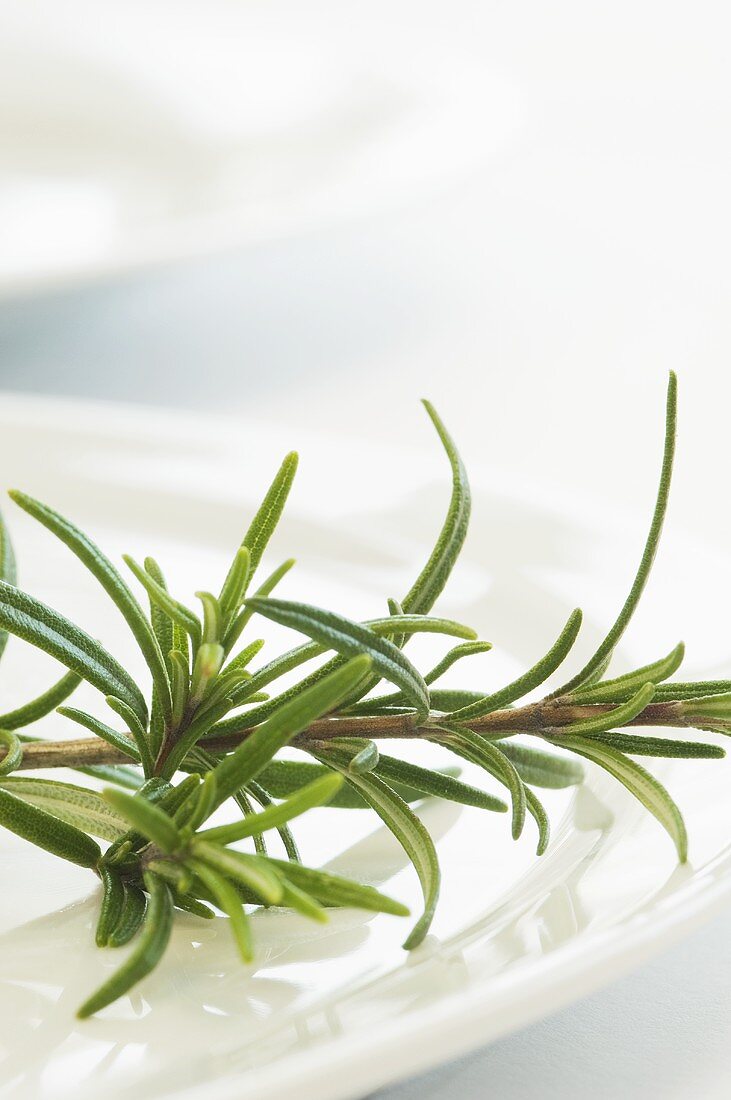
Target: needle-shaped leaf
{"x": 46, "y": 629}
{"x": 617, "y": 716}
{"x": 162, "y": 628}
{"x": 410, "y": 832}
{"x": 351, "y": 639}
{"x": 234, "y": 586}
{"x": 435, "y": 574}
{"x": 42, "y": 705}
{"x": 659, "y": 747}
{"x": 537, "y": 811}
{"x": 470, "y": 746}
{"x": 244, "y": 616}
{"x": 691, "y": 689}
{"x": 146, "y": 818}
{"x": 334, "y": 890}
{"x": 11, "y": 751}
{"x": 542, "y": 769}
{"x": 101, "y": 729}
{"x": 284, "y": 777}
{"x": 314, "y": 794}
{"x": 160, "y": 596}
{"x": 270, "y": 510}
{"x": 401, "y": 774}
{"x": 264, "y": 798}
{"x": 638, "y": 782}
{"x": 131, "y": 916}
{"x": 253, "y": 872}
{"x": 229, "y": 901}
{"x": 531, "y": 679}
{"x": 146, "y": 954}
{"x": 609, "y": 644}
{"x": 113, "y": 584}
{"x": 253, "y": 754}
{"x": 77, "y": 806}
{"x": 138, "y": 731}
{"x": 7, "y": 569}
{"x": 465, "y": 649}
{"x": 623, "y": 687}
{"x": 112, "y": 904}
{"x": 46, "y": 831}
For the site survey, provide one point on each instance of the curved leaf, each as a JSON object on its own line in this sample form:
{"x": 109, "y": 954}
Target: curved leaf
{"x": 46, "y": 629}
{"x": 116, "y": 588}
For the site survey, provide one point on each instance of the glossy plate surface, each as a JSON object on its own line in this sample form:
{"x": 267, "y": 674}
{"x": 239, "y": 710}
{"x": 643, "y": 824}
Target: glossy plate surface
{"x": 339, "y": 1010}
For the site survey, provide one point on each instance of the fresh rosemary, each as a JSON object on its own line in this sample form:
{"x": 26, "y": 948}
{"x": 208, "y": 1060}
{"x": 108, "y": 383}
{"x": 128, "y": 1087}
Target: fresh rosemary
{"x": 211, "y": 734}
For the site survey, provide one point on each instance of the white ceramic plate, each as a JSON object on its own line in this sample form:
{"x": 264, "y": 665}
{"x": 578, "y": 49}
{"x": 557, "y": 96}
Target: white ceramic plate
{"x": 335, "y": 1012}
{"x": 142, "y": 133}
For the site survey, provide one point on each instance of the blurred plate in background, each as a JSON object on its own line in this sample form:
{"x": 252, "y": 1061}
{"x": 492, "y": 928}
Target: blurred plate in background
{"x": 141, "y": 133}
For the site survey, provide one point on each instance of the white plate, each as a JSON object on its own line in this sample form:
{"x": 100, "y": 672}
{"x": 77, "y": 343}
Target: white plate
{"x": 334, "y": 1012}
{"x": 147, "y": 132}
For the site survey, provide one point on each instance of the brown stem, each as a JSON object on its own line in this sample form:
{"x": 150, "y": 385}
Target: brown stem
{"x": 541, "y": 719}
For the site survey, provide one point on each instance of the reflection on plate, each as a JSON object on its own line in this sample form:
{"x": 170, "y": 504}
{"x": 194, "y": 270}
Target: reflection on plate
{"x": 339, "y": 1010}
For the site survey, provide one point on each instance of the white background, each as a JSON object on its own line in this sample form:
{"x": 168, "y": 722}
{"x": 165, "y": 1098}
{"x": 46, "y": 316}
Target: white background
{"x": 539, "y": 297}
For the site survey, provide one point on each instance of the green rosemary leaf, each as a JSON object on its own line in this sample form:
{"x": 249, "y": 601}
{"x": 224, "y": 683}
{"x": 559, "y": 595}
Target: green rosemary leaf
{"x": 470, "y": 746}
{"x": 46, "y": 629}
{"x": 116, "y": 588}
{"x": 333, "y": 890}
{"x": 13, "y": 756}
{"x": 229, "y": 901}
{"x": 618, "y": 716}
{"x": 660, "y": 746}
{"x": 365, "y": 753}
{"x": 465, "y": 649}
{"x": 146, "y": 954}
{"x": 529, "y": 680}
{"x": 435, "y": 574}
{"x": 42, "y": 705}
{"x": 402, "y": 775}
{"x": 162, "y": 628}
{"x": 175, "y": 610}
{"x": 46, "y": 831}
{"x": 691, "y": 690}
{"x": 408, "y": 830}
{"x": 133, "y": 912}
{"x": 240, "y": 663}
{"x": 542, "y": 769}
{"x": 350, "y": 639}
{"x": 284, "y": 777}
{"x": 244, "y": 616}
{"x": 136, "y": 728}
{"x": 101, "y": 729}
{"x": 7, "y": 570}
{"x": 623, "y": 687}
{"x": 114, "y": 773}
{"x": 648, "y": 554}
{"x": 180, "y": 681}
{"x": 253, "y": 872}
{"x": 638, "y": 782}
{"x": 204, "y": 803}
{"x": 192, "y": 905}
{"x": 146, "y": 818}
{"x": 253, "y": 754}
{"x": 302, "y": 902}
{"x": 537, "y": 811}
{"x": 234, "y": 587}
{"x": 314, "y": 794}
{"x": 77, "y": 806}
{"x": 267, "y": 517}
{"x": 264, "y": 798}
{"x": 112, "y": 904}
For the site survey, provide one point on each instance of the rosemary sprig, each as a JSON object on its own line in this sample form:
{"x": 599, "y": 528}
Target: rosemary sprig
{"x": 211, "y": 734}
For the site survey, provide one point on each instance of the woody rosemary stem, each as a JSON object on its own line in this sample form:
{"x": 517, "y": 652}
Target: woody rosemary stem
{"x": 544, "y": 719}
